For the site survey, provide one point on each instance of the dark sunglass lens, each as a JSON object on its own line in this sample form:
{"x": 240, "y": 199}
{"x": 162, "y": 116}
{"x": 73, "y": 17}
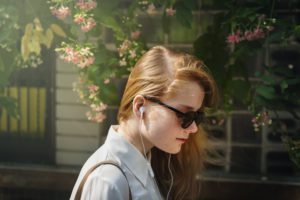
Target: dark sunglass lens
{"x": 199, "y": 118}
{"x": 187, "y": 119}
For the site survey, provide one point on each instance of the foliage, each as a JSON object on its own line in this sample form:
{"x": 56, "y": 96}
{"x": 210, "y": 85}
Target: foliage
{"x": 24, "y": 53}
{"x": 98, "y": 66}
{"x": 253, "y": 29}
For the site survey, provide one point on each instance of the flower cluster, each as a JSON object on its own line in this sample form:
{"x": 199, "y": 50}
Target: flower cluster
{"x": 86, "y": 5}
{"x": 33, "y": 60}
{"x": 61, "y": 9}
{"x": 256, "y": 31}
{"x": 170, "y": 11}
{"x": 81, "y": 56}
{"x": 129, "y": 53}
{"x": 260, "y": 120}
{"x": 89, "y": 95}
{"x": 152, "y": 10}
{"x": 86, "y": 22}
{"x": 61, "y": 12}
{"x": 83, "y": 18}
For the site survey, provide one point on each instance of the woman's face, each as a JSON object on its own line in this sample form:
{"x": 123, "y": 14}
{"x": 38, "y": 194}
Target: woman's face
{"x": 163, "y": 128}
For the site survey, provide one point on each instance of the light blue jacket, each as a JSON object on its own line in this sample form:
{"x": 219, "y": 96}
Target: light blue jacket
{"x": 107, "y": 182}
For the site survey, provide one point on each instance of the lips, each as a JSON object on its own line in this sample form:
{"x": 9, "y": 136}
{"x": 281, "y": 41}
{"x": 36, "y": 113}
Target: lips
{"x": 181, "y": 139}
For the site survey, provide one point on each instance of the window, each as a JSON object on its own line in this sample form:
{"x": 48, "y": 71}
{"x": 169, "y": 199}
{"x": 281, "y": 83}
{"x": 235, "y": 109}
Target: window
{"x": 30, "y": 138}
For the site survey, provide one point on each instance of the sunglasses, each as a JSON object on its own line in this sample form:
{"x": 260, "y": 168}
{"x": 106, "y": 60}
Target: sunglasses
{"x": 186, "y": 118}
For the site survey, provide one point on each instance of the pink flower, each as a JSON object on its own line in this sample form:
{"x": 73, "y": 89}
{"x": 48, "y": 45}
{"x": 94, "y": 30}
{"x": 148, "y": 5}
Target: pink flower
{"x": 71, "y": 55}
{"x": 99, "y": 108}
{"x": 151, "y": 9}
{"x": 132, "y": 53}
{"x": 106, "y": 81}
{"x": 76, "y": 57}
{"x": 61, "y": 13}
{"x": 85, "y": 51}
{"x": 123, "y": 47}
{"x": 233, "y": 38}
{"x": 259, "y": 33}
{"x": 79, "y": 19}
{"x": 135, "y": 35}
{"x": 89, "y": 24}
{"x": 170, "y": 11}
{"x": 86, "y": 61}
{"x": 249, "y": 35}
{"x": 89, "y": 5}
{"x": 99, "y": 117}
{"x": 93, "y": 88}
{"x": 90, "y": 60}
{"x": 69, "y": 50}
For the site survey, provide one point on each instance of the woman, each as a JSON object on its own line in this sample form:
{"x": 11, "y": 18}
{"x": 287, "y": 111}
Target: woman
{"x": 159, "y": 146}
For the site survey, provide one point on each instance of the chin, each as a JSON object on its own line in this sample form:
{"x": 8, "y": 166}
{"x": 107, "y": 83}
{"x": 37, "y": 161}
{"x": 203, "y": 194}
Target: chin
{"x": 173, "y": 151}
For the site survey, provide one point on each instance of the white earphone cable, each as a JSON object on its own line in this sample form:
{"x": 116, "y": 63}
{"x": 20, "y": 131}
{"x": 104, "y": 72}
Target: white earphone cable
{"x": 144, "y": 149}
{"x": 170, "y": 171}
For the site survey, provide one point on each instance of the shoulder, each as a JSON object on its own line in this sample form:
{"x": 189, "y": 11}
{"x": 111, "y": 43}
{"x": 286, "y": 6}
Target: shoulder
{"x": 106, "y": 182}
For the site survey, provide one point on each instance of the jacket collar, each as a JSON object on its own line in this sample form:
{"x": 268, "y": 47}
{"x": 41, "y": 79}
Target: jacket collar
{"x": 128, "y": 154}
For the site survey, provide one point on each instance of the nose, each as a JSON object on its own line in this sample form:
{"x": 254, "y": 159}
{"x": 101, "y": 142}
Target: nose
{"x": 193, "y": 128}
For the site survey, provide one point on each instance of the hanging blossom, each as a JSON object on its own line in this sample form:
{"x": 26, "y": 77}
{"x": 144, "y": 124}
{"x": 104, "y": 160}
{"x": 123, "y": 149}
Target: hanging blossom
{"x": 61, "y": 12}
{"x": 260, "y": 120}
{"x": 85, "y": 21}
{"x": 86, "y": 5}
{"x": 129, "y": 53}
{"x": 170, "y": 11}
{"x": 80, "y": 56}
{"x": 96, "y": 113}
{"x": 260, "y": 30}
{"x": 83, "y": 18}
{"x": 135, "y": 35}
{"x": 248, "y": 35}
{"x": 88, "y": 94}
{"x": 95, "y": 116}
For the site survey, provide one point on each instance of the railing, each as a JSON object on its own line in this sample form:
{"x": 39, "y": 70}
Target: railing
{"x": 32, "y": 112}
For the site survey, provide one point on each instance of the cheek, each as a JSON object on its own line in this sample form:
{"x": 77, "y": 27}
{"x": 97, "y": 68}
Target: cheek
{"x": 163, "y": 129}
{"x": 162, "y": 123}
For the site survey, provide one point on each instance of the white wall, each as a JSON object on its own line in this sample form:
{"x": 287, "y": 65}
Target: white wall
{"x": 76, "y": 137}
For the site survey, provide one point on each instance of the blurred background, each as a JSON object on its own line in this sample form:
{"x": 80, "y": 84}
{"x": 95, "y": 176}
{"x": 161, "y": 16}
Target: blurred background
{"x": 64, "y": 65}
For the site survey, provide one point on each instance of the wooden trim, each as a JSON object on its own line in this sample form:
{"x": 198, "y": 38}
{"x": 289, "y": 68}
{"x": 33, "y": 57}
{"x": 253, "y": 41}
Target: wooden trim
{"x": 53, "y": 178}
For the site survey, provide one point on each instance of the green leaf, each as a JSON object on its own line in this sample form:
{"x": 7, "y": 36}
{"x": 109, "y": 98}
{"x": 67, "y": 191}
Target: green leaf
{"x": 240, "y": 89}
{"x": 34, "y": 46}
{"x": 110, "y": 22}
{"x": 184, "y": 15}
{"x": 283, "y": 86}
{"x": 268, "y": 79}
{"x": 266, "y": 92}
{"x": 10, "y": 105}
{"x": 24, "y": 47}
{"x": 49, "y": 38}
{"x": 4, "y": 35}
{"x": 58, "y": 30}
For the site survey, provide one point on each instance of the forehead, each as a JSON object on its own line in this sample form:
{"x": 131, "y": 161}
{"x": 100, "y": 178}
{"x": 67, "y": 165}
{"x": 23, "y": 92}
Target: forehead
{"x": 189, "y": 94}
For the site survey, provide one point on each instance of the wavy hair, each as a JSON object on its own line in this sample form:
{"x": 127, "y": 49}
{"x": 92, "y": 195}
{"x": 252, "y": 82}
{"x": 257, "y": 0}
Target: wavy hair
{"x": 159, "y": 73}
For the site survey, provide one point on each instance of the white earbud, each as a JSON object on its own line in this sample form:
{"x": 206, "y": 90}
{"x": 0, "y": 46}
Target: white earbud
{"x": 142, "y": 109}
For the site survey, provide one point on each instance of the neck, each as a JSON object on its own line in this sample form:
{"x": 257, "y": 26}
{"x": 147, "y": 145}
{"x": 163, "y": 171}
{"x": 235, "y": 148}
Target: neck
{"x": 131, "y": 132}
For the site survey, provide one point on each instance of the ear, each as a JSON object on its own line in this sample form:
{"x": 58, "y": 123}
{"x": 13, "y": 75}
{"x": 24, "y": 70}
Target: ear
{"x": 138, "y": 105}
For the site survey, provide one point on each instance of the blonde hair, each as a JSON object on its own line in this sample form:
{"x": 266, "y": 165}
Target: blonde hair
{"x": 159, "y": 73}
